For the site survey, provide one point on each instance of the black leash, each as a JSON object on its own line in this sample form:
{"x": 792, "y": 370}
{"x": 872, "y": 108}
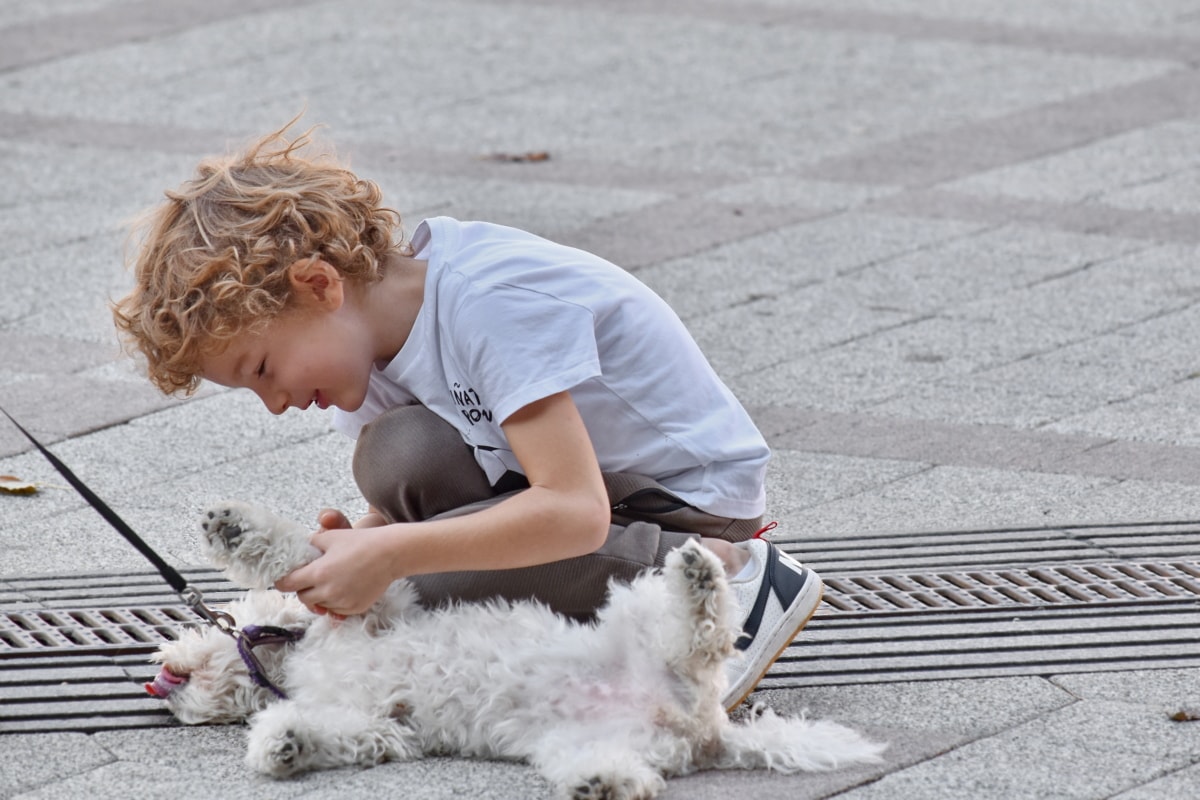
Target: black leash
{"x": 247, "y": 638}
{"x": 190, "y": 594}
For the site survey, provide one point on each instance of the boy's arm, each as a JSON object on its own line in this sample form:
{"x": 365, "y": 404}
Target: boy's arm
{"x": 563, "y": 514}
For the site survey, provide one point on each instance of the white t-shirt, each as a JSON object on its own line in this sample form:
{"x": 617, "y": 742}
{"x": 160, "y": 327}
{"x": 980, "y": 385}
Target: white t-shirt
{"x": 509, "y": 318}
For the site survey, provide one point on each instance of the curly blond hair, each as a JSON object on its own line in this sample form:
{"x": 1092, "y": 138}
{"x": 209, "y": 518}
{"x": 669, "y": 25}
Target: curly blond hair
{"x": 212, "y": 259}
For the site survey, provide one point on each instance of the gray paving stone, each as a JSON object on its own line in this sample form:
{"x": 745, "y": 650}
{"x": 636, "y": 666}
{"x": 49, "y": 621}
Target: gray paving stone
{"x": 222, "y": 446}
{"x": 37, "y": 759}
{"x": 760, "y": 335}
{"x": 1085, "y": 110}
{"x": 1181, "y": 783}
{"x": 436, "y": 779}
{"x": 1174, "y": 193}
{"x": 891, "y": 340}
{"x": 1090, "y": 374}
{"x": 15, "y": 14}
{"x": 678, "y": 228}
{"x": 51, "y": 407}
{"x": 221, "y": 746}
{"x": 969, "y": 399}
{"x": 25, "y": 353}
{"x": 958, "y": 445}
{"x": 1165, "y": 415}
{"x": 955, "y": 498}
{"x": 1168, "y": 690}
{"x": 114, "y": 781}
{"x": 798, "y": 481}
{"x": 959, "y": 710}
{"x": 779, "y": 190}
{"x": 1096, "y": 169}
{"x": 171, "y": 753}
{"x": 1090, "y": 749}
{"x": 791, "y": 257}
{"x": 547, "y": 208}
{"x": 1133, "y": 500}
{"x": 1163, "y": 16}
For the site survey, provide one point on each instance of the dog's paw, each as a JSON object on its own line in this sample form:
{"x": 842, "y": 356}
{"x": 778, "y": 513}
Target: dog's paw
{"x": 223, "y": 529}
{"x": 254, "y": 546}
{"x": 279, "y": 755}
{"x": 696, "y": 573}
{"x": 616, "y": 787}
{"x": 700, "y": 567}
{"x": 592, "y": 789}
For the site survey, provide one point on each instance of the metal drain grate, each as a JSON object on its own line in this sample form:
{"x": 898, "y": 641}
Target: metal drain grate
{"x": 1022, "y": 547}
{"x": 91, "y": 630}
{"x": 74, "y": 650}
{"x": 1049, "y": 585}
{"x": 141, "y": 629}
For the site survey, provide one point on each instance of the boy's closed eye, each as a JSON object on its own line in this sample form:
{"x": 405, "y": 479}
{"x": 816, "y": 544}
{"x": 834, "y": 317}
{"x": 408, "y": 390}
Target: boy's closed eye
{"x": 262, "y": 368}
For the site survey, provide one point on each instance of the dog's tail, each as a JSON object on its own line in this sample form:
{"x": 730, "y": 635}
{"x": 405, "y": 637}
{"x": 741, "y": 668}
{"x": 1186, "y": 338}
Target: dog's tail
{"x": 793, "y": 744}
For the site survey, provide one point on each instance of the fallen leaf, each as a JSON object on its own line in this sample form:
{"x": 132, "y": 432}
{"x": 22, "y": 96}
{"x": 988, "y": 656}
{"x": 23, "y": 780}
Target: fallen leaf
{"x": 519, "y": 158}
{"x": 11, "y": 484}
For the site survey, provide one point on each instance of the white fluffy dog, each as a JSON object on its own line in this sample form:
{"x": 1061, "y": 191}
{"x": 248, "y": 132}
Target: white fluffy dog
{"x": 602, "y": 710}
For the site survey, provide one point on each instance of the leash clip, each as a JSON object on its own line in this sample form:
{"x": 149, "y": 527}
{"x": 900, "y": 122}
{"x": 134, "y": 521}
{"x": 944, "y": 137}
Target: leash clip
{"x": 220, "y": 620}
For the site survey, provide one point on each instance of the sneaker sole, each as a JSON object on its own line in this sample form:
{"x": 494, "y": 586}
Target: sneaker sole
{"x": 780, "y": 641}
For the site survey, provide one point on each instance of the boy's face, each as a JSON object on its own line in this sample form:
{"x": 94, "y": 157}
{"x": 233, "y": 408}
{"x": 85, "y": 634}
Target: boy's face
{"x": 318, "y": 352}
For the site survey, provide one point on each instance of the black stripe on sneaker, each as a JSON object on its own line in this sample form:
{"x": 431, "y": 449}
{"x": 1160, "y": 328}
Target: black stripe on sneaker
{"x": 785, "y": 582}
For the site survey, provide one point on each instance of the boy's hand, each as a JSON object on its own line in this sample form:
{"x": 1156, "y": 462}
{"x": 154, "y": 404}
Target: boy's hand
{"x": 347, "y": 578}
{"x": 332, "y": 519}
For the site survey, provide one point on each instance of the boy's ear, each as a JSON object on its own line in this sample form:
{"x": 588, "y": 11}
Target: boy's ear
{"x": 316, "y": 283}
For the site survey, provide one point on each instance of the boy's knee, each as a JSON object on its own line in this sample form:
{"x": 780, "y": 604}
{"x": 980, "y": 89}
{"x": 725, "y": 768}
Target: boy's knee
{"x": 411, "y": 464}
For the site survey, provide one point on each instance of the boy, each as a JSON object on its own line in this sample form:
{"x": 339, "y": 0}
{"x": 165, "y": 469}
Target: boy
{"x": 532, "y": 421}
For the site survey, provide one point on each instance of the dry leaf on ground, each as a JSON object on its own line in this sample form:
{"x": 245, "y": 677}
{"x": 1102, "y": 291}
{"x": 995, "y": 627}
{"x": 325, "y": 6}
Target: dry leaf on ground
{"x": 11, "y": 484}
{"x": 519, "y": 158}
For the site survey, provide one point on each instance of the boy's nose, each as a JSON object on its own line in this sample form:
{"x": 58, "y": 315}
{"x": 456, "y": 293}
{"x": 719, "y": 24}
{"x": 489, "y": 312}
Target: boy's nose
{"x": 275, "y": 402}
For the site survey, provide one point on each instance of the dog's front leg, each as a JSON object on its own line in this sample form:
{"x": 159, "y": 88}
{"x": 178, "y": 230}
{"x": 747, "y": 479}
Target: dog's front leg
{"x": 287, "y": 738}
{"x": 254, "y": 546}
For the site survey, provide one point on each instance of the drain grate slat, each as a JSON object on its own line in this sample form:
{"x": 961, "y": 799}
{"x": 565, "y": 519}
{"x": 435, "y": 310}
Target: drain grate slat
{"x": 101, "y": 695}
{"x": 100, "y": 720}
{"x": 70, "y": 692}
{"x": 838, "y": 649}
{"x": 98, "y": 591}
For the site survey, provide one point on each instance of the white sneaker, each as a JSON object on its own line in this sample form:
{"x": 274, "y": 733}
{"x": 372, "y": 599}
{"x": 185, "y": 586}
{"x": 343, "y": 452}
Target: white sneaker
{"x": 778, "y": 602}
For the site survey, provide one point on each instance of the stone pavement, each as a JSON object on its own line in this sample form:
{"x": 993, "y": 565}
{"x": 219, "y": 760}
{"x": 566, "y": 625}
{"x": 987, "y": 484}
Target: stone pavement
{"x": 945, "y": 252}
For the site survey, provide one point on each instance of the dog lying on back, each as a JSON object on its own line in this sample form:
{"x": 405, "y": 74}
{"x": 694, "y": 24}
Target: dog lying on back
{"x": 602, "y": 710}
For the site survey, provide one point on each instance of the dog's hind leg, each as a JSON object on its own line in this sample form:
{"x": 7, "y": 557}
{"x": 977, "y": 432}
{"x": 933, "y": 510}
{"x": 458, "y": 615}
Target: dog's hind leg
{"x": 696, "y": 580}
{"x": 594, "y": 769}
{"x": 287, "y": 738}
{"x": 694, "y": 630}
{"x": 680, "y": 620}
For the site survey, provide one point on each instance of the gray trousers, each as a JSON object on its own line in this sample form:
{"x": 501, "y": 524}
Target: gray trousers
{"x": 411, "y": 465}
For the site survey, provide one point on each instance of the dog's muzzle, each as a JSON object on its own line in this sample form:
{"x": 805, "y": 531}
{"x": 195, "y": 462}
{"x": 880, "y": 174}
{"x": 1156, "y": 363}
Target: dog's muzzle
{"x": 164, "y": 683}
